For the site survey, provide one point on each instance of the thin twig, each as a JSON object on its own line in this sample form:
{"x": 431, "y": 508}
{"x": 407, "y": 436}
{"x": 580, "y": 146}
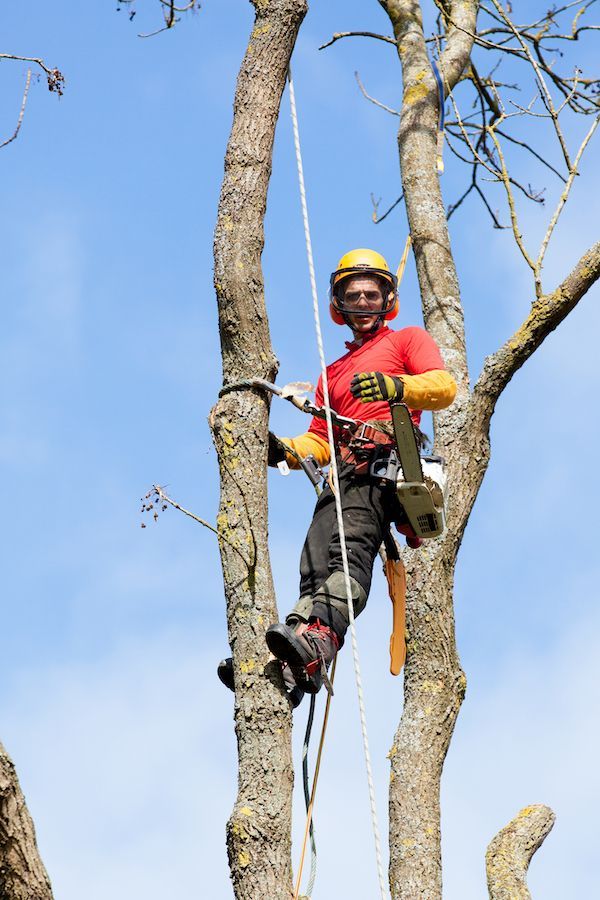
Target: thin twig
{"x": 394, "y": 112}
{"x": 149, "y": 34}
{"x": 344, "y": 34}
{"x": 489, "y": 45}
{"x": 489, "y": 209}
{"x": 511, "y": 200}
{"x": 166, "y": 499}
{"x": 454, "y": 206}
{"x": 469, "y": 143}
{"x": 491, "y": 167}
{"x": 55, "y": 78}
{"x": 533, "y": 152}
{"x": 377, "y": 219}
{"x": 170, "y": 18}
{"x": 563, "y": 199}
{"x": 546, "y": 95}
{"x": 22, "y": 113}
{"x": 173, "y": 9}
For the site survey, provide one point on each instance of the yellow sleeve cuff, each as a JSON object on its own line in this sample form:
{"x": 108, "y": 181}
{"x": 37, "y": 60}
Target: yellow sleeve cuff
{"x": 307, "y": 444}
{"x": 431, "y": 390}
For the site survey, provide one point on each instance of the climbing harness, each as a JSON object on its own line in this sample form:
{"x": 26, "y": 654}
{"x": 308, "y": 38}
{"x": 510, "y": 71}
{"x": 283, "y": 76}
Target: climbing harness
{"x": 340, "y": 521}
{"x": 420, "y": 481}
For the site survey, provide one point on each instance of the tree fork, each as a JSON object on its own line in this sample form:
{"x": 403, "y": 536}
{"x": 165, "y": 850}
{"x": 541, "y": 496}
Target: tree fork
{"x": 259, "y": 829}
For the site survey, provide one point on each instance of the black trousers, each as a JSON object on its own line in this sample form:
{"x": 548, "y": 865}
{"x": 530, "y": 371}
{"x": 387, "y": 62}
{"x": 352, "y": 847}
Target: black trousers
{"x": 368, "y": 508}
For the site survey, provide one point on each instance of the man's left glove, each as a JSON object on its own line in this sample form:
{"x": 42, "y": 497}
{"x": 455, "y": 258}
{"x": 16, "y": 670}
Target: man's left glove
{"x": 275, "y": 452}
{"x": 370, "y": 386}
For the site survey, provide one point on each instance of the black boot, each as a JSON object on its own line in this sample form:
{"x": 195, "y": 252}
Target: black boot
{"x": 307, "y": 655}
{"x": 294, "y": 692}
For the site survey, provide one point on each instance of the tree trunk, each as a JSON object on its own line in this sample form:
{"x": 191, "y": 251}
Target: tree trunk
{"x": 258, "y": 831}
{"x": 22, "y": 873}
{"x": 434, "y": 686}
{"x": 434, "y": 683}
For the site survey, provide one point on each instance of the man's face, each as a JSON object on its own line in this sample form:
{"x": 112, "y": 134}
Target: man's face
{"x": 363, "y": 293}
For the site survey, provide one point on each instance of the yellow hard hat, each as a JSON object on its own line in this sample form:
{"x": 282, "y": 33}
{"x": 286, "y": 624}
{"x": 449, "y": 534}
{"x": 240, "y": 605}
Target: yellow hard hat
{"x": 362, "y": 262}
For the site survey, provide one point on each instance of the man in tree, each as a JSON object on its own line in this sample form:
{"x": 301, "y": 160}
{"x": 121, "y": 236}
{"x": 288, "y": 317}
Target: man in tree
{"x": 381, "y": 365}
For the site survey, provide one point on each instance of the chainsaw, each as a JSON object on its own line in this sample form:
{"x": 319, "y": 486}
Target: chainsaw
{"x": 421, "y": 480}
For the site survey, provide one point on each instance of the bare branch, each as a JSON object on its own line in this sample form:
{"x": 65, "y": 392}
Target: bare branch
{"x": 55, "y": 78}
{"x": 533, "y": 152}
{"x": 394, "y": 112}
{"x": 506, "y": 181}
{"x": 377, "y": 219}
{"x": 546, "y": 95}
{"x": 344, "y": 34}
{"x": 22, "y": 112}
{"x": 489, "y": 45}
{"x": 473, "y": 186}
{"x": 193, "y": 4}
{"x": 510, "y": 852}
{"x": 169, "y": 13}
{"x": 148, "y": 34}
{"x": 454, "y": 206}
{"x": 465, "y": 137}
{"x": 564, "y": 196}
{"x": 162, "y": 496}
{"x": 493, "y": 215}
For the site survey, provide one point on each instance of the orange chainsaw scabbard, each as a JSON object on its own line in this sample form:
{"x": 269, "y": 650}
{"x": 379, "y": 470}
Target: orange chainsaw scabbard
{"x": 396, "y": 579}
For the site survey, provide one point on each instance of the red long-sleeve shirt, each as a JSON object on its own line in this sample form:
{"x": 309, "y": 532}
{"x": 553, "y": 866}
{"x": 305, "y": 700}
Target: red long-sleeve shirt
{"x": 410, "y": 354}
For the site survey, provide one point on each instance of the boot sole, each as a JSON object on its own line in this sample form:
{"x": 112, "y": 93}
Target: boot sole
{"x": 225, "y": 673}
{"x": 283, "y": 643}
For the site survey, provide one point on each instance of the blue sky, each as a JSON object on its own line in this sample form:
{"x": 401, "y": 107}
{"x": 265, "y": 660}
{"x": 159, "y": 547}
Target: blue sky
{"x": 109, "y": 702}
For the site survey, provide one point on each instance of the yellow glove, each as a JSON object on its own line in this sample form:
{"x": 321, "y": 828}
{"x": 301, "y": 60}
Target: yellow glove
{"x": 370, "y": 386}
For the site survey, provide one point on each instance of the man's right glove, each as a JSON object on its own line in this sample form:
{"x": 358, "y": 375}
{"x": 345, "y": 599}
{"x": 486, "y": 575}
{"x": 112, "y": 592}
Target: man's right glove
{"x": 370, "y": 386}
{"x": 276, "y": 451}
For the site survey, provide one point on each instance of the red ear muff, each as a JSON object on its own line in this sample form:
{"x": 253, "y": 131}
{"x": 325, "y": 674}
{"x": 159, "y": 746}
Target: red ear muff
{"x": 336, "y": 316}
{"x": 393, "y": 312}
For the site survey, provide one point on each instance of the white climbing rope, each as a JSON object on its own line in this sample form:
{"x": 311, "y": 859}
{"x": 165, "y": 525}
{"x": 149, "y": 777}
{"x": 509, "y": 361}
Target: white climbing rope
{"x": 338, "y": 504}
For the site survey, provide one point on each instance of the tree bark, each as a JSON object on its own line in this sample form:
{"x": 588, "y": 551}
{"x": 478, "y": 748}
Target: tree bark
{"x": 434, "y": 683}
{"x": 22, "y": 873}
{"x": 258, "y": 831}
{"x": 509, "y": 854}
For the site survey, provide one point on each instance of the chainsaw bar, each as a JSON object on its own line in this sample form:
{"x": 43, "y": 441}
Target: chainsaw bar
{"x": 426, "y": 519}
{"x": 406, "y": 443}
